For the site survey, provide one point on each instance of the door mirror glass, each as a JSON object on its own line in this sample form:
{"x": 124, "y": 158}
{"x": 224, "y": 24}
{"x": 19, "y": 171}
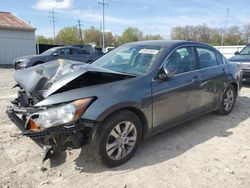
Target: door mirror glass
{"x": 237, "y": 53}
{"x": 165, "y": 74}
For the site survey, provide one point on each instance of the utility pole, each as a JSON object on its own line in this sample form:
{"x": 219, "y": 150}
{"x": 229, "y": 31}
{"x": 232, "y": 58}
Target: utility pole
{"x": 225, "y": 28}
{"x": 100, "y": 34}
{"x": 103, "y": 4}
{"x": 53, "y": 17}
{"x": 80, "y": 30}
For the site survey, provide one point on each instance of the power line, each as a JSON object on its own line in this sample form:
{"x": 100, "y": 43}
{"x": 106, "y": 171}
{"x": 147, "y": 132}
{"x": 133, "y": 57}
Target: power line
{"x": 225, "y": 28}
{"x": 80, "y": 30}
{"x": 52, "y": 16}
{"x": 103, "y": 4}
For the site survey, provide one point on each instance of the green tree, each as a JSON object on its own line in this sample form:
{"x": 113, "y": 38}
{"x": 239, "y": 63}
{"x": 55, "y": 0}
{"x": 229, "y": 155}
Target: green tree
{"x": 92, "y": 35}
{"x": 216, "y": 36}
{"x": 247, "y": 33}
{"x": 40, "y": 39}
{"x": 153, "y": 37}
{"x": 68, "y": 35}
{"x": 234, "y": 36}
{"x": 109, "y": 39}
{"x": 130, "y": 35}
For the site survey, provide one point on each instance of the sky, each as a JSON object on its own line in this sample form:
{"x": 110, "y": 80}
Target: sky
{"x": 149, "y": 16}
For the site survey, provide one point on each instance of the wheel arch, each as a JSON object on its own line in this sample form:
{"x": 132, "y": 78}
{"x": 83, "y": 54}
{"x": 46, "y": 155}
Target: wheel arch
{"x": 136, "y": 111}
{"x": 235, "y": 85}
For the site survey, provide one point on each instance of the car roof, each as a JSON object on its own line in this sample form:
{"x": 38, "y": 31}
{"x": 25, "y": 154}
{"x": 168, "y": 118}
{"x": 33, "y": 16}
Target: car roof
{"x": 72, "y": 47}
{"x": 167, "y": 43}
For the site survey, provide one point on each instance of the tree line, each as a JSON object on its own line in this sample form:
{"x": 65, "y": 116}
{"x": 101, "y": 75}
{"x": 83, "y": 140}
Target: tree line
{"x": 202, "y": 33}
{"x": 71, "y": 35}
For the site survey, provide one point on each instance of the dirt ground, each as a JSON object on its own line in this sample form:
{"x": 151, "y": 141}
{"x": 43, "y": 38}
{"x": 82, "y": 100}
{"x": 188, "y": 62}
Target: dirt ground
{"x": 211, "y": 151}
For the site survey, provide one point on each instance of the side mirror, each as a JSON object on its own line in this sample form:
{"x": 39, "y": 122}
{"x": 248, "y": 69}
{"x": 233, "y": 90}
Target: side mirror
{"x": 237, "y": 53}
{"x": 165, "y": 74}
{"x": 55, "y": 54}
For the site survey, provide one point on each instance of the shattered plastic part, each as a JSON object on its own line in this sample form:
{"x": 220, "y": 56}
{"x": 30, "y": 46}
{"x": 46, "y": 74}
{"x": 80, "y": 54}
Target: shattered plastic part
{"x": 61, "y": 75}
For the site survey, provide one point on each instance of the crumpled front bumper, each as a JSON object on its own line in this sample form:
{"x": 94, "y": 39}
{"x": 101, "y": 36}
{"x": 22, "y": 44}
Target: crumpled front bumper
{"x": 54, "y": 138}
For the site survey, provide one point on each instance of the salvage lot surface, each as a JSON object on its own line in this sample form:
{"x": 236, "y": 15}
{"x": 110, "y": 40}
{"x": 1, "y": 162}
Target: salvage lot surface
{"x": 211, "y": 151}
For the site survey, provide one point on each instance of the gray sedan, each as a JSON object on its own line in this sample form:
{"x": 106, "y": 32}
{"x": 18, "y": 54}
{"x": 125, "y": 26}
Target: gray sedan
{"x": 127, "y": 95}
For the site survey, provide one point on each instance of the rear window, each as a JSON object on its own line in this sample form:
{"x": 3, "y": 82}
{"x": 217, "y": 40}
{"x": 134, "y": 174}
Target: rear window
{"x": 207, "y": 57}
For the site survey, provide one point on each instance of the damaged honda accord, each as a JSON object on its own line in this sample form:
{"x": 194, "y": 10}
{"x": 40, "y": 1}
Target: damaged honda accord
{"x": 125, "y": 96}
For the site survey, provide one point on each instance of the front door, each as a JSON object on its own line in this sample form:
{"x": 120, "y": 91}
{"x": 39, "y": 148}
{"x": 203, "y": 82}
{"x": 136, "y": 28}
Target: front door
{"x": 171, "y": 98}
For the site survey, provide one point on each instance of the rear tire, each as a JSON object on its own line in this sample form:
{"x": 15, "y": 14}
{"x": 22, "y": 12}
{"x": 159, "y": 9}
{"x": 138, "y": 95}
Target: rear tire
{"x": 228, "y": 101}
{"x": 117, "y": 139}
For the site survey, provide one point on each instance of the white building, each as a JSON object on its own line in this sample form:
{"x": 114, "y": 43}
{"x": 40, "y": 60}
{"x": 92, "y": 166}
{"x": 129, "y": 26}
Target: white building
{"x": 17, "y": 38}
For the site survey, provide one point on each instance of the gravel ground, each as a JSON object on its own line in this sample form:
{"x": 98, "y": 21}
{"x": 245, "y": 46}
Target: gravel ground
{"x": 211, "y": 151}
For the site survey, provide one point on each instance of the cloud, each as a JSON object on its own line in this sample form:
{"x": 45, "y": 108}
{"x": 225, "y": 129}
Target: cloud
{"x": 95, "y": 16}
{"x": 148, "y": 24}
{"x": 146, "y": 15}
{"x": 53, "y": 4}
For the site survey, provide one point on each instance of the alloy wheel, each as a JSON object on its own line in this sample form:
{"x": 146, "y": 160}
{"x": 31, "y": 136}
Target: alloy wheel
{"x": 229, "y": 100}
{"x": 121, "y": 140}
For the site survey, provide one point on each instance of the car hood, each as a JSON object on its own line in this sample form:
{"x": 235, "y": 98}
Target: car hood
{"x": 240, "y": 58}
{"x": 63, "y": 75}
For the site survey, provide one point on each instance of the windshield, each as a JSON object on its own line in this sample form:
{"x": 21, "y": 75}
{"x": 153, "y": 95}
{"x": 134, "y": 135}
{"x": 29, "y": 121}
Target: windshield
{"x": 49, "y": 51}
{"x": 245, "y": 51}
{"x": 131, "y": 59}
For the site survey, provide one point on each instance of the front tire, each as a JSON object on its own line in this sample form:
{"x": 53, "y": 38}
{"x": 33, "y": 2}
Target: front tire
{"x": 228, "y": 101}
{"x": 117, "y": 139}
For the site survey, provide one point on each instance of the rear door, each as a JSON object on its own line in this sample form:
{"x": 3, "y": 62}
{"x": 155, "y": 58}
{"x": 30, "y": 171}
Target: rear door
{"x": 213, "y": 76}
{"x": 171, "y": 98}
{"x": 78, "y": 55}
{"x": 63, "y": 53}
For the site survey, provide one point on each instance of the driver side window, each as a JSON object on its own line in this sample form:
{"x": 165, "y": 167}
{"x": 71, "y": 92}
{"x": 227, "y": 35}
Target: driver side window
{"x": 64, "y": 51}
{"x": 181, "y": 60}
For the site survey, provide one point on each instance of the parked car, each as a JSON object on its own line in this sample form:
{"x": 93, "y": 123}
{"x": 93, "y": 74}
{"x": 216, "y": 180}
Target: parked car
{"x": 66, "y": 52}
{"x": 243, "y": 58}
{"x": 115, "y": 103}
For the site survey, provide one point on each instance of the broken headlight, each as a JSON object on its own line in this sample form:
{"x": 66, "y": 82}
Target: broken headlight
{"x": 55, "y": 116}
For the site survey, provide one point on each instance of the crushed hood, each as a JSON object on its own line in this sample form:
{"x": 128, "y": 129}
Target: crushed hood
{"x": 62, "y": 75}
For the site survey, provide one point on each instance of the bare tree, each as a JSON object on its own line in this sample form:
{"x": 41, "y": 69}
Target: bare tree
{"x": 233, "y": 36}
{"x": 247, "y": 33}
{"x": 203, "y": 33}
